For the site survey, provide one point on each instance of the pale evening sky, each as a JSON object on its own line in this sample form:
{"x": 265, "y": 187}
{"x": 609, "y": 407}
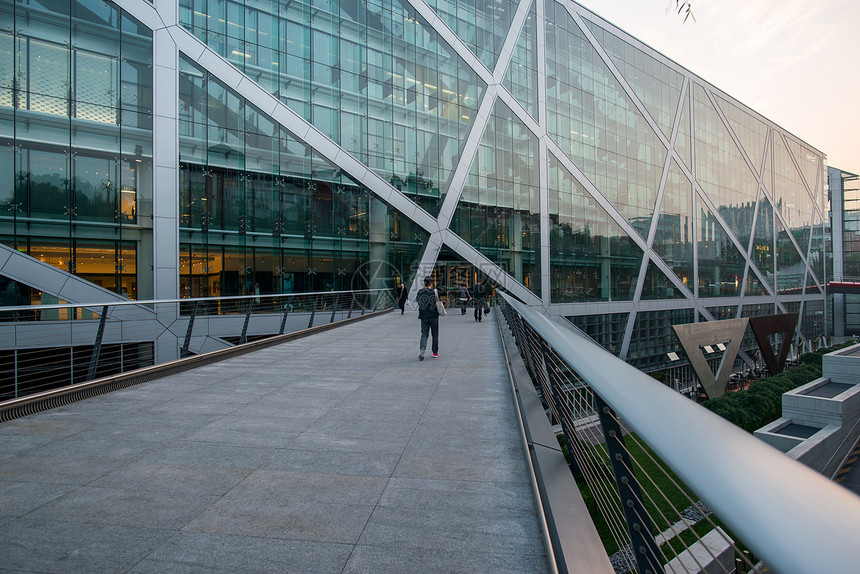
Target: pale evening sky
{"x": 793, "y": 61}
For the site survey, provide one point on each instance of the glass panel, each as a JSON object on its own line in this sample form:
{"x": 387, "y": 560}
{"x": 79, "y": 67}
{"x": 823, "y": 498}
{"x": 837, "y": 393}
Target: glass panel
{"x": 682, "y": 140}
{"x": 722, "y": 171}
{"x": 762, "y": 248}
{"x": 96, "y": 87}
{"x": 95, "y": 188}
{"x": 656, "y": 85}
{"x": 499, "y": 209}
{"x": 813, "y": 322}
{"x": 47, "y": 176}
{"x": 721, "y": 265}
{"x": 808, "y": 161}
{"x": 658, "y": 286}
{"x": 791, "y": 198}
{"x": 751, "y": 131}
{"x": 376, "y": 79}
{"x": 817, "y": 254}
{"x": 594, "y": 121}
{"x": 673, "y": 240}
{"x": 790, "y": 271}
{"x": 521, "y": 78}
{"x": 653, "y": 337}
{"x": 606, "y": 330}
{"x": 482, "y": 26}
{"x": 48, "y": 81}
{"x": 261, "y": 212}
{"x": 591, "y": 257}
{"x": 7, "y": 70}
{"x": 80, "y": 70}
{"x": 723, "y": 313}
{"x": 754, "y": 286}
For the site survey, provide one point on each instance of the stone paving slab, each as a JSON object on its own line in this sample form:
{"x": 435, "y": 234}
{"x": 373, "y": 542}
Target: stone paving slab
{"x": 339, "y": 452}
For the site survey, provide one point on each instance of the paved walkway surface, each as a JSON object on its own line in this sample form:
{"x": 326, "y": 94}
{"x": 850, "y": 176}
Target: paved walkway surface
{"x": 340, "y": 452}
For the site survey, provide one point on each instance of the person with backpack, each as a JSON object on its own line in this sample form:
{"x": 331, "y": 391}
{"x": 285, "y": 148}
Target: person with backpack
{"x": 428, "y": 313}
{"x": 478, "y": 296}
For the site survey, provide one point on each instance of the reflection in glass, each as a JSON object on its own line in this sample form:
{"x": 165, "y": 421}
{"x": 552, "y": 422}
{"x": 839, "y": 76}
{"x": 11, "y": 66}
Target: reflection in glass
{"x": 591, "y": 257}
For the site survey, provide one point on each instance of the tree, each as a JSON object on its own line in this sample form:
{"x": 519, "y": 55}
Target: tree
{"x": 684, "y": 7}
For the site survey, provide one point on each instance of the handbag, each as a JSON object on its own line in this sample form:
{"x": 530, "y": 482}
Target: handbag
{"x": 439, "y": 306}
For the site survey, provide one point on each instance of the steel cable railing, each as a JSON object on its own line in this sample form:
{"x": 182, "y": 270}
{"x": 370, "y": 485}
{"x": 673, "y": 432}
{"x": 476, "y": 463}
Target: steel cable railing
{"x": 44, "y": 347}
{"x": 649, "y": 467}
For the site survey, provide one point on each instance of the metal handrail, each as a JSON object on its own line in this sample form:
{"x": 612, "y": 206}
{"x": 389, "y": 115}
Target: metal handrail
{"x": 126, "y": 303}
{"x": 795, "y": 519}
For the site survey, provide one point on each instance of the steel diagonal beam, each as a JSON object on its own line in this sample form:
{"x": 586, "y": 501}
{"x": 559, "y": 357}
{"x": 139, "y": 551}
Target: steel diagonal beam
{"x": 471, "y": 60}
{"x": 467, "y": 158}
{"x": 617, "y": 74}
{"x": 450, "y": 38}
{"x": 613, "y": 213}
{"x": 511, "y": 40}
{"x": 303, "y": 130}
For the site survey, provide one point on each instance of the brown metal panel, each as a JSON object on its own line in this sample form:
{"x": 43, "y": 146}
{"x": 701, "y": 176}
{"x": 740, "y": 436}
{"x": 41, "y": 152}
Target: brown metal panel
{"x": 694, "y": 336}
{"x": 768, "y": 325}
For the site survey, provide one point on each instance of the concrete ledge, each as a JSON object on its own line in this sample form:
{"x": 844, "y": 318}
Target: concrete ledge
{"x": 819, "y": 419}
{"x": 714, "y": 554}
{"x": 573, "y": 540}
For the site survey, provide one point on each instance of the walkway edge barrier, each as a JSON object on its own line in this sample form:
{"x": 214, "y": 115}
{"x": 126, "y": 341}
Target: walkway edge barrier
{"x": 46, "y": 400}
{"x": 794, "y": 519}
{"x": 572, "y": 542}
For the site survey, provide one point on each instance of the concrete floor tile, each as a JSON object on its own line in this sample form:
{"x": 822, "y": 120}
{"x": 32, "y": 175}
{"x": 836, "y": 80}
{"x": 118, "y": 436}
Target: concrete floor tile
{"x": 335, "y": 523}
{"x": 20, "y": 498}
{"x": 188, "y": 553}
{"x": 125, "y": 507}
{"x": 29, "y": 545}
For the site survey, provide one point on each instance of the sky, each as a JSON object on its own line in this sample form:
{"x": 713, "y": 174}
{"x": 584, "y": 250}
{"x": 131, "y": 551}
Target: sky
{"x": 796, "y": 62}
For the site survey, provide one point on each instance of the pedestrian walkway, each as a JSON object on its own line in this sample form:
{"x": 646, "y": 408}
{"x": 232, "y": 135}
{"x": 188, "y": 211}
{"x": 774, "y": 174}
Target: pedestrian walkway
{"x": 339, "y": 452}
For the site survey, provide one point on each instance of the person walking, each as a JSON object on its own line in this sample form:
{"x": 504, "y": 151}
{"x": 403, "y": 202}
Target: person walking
{"x": 429, "y": 316}
{"x": 401, "y": 295}
{"x": 463, "y": 296}
{"x": 479, "y": 301}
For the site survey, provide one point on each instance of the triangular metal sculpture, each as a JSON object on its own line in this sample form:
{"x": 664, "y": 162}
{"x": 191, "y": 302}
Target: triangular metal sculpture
{"x": 694, "y": 336}
{"x": 767, "y": 325}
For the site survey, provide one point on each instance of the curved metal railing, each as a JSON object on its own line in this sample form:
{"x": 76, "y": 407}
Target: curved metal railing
{"x": 792, "y": 519}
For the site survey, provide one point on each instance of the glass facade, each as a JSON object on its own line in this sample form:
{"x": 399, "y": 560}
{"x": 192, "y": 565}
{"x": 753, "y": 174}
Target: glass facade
{"x": 76, "y": 134}
{"x": 569, "y": 162}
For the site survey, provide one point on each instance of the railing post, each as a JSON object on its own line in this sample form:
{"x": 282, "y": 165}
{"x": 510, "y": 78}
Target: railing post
{"x": 284, "y": 318}
{"x": 183, "y": 352}
{"x": 334, "y": 307}
{"x": 313, "y": 312}
{"x": 558, "y": 398}
{"x": 351, "y": 305}
{"x": 97, "y": 346}
{"x": 638, "y": 521}
{"x": 243, "y": 338}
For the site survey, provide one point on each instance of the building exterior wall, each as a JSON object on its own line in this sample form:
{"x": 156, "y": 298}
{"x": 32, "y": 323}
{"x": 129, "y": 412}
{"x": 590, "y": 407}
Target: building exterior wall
{"x": 844, "y": 193}
{"x": 207, "y": 148}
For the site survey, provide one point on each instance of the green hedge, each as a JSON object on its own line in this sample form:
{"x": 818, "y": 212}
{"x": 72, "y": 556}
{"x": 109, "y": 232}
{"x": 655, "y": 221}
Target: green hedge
{"x": 761, "y": 403}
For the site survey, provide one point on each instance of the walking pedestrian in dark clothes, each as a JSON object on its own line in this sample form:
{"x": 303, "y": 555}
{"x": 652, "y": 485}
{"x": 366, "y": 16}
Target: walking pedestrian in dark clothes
{"x": 429, "y": 316}
{"x": 479, "y": 301}
{"x": 463, "y": 296}
{"x": 401, "y": 295}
